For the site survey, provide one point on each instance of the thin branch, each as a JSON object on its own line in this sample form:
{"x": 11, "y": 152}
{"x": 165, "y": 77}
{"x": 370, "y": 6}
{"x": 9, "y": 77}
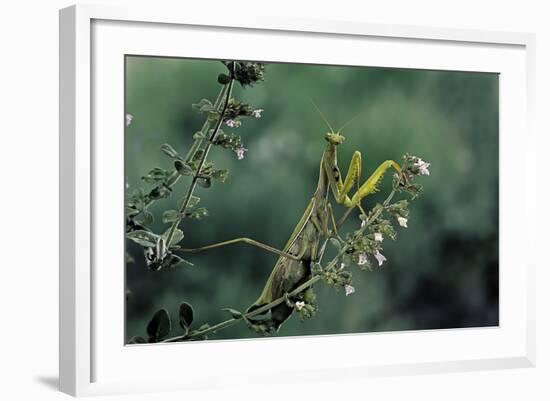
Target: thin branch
{"x": 249, "y": 315}
{"x": 175, "y": 175}
{"x": 195, "y": 178}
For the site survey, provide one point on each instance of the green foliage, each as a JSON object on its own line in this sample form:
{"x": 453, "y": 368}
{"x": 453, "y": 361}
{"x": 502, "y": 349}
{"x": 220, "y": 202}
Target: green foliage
{"x": 247, "y": 73}
{"x": 143, "y": 238}
{"x": 186, "y": 315}
{"x": 159, "y": 326}
{"x": 156, "y": 175}
{"x": 169, "y": 151}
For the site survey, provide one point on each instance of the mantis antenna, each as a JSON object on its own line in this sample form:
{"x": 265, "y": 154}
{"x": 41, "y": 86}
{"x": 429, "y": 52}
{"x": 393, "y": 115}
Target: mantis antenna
{"x": 323, "y": 116}
{"x": 328, "y": 124}
{"x": 349, "y": 121}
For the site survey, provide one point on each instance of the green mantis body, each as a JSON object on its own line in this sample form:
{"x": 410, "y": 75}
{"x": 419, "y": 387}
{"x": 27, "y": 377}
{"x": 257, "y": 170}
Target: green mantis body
{"x": 293, "y": 266}
{"x": 314, "y": 223}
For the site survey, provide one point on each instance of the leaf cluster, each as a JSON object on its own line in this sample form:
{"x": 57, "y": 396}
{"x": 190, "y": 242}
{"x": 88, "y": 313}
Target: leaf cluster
{"x": 160, "y": 325}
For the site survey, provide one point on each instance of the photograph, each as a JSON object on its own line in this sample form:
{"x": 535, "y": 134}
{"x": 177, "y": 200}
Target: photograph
{"x": 270, "y": 199}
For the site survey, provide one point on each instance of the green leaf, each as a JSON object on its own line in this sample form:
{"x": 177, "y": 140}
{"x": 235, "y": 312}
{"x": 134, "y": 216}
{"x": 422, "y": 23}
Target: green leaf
{"x": 186, "y": 316}
{"x": 156, "y": 174}
{"x": 169, "y": 216}
{"x": 169, "y": 151}
{"x": 220, "y": 175}
{"x": 198, "y": 213}
{"x": 137, "y": 340}
{"x": 182, "y": 168}
{"x": 144, "y": 238}
{"x": 160, "y": 192}
{"x": 197, "y": 156}
{"x": 235, "y": 314}
{"x": 159, "y": 326}
{"x": 204, "y": 106}
{"x": 146, "y": 218}
{"x": 193, "y": 201}
{"x": 199, "y": 135}
{"x": 176, "y": 260}
{"x": 224, "y": 79}
{"x": 177, "y": 237}
{"x": 204, "y": 182}
{"x": 336, "y": 243}
{"x": 137, "y": 199}
{"x": 130, "y": 211}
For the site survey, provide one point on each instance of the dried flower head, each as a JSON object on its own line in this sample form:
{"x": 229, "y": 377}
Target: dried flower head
{"x": 246, "y": 73}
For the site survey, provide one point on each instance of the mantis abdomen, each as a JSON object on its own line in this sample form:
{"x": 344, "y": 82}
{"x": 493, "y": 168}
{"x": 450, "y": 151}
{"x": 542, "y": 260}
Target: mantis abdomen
{"x": 289, "y": 274}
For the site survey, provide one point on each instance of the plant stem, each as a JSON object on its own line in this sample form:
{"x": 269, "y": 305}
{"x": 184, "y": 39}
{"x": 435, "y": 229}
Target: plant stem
{"x": 175, "y": 176}
{"x": 255, "y": 312}
{"x": 204, "y": 130}
{"x": 195, "y": 178}
{"x": 296, "y": 291}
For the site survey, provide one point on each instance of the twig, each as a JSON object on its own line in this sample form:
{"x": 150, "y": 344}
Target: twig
{"x": 249, "y": 315}
{"x": 195, "y": 178}
{"x": 175, "y": 175}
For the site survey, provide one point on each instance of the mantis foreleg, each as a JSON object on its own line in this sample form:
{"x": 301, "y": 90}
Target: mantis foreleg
{"x": 341, "y": 189}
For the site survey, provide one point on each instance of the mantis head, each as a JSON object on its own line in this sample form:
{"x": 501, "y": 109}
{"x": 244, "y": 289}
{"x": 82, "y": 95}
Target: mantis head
{"x": 334, "y": 138}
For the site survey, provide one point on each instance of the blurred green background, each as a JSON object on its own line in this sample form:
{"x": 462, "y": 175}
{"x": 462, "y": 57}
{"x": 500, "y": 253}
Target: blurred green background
{"x": 442, "y": 271}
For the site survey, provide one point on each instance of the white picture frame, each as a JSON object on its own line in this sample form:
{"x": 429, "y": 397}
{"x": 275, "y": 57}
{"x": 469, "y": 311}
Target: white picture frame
{"x": 92, "y": 39}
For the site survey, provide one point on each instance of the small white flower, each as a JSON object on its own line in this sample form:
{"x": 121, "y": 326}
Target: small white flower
{"x": 257, "y": 113}
{"x": 402, "y": 221}
{"x": 240, "y": 152}
{"x": 349, "y": 289}
{"x": 422, "y": 166}
{"x": 129, "y": 119}
{"x": 362, "y": 259}
{"x": 300, "y": 305}
{"x": 378, "y": 237}
{"x": 232, "y": 123}
{"x": 380, "y": 258}
{"x": 342, "y": 266}
{"x": 363, "y": 223}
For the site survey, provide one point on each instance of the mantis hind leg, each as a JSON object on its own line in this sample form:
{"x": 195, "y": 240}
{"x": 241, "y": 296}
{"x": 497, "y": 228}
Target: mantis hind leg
{"x": 244, "y": 240}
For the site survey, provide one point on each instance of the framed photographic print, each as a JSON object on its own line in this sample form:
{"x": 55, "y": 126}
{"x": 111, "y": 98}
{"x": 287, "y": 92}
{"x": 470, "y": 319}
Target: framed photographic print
{"x": 336, "y": 201}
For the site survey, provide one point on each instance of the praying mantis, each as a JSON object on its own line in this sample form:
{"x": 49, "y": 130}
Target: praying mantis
{"x": 293, "y": 267}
